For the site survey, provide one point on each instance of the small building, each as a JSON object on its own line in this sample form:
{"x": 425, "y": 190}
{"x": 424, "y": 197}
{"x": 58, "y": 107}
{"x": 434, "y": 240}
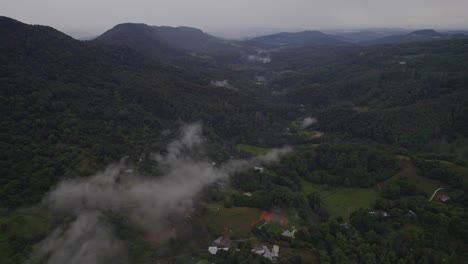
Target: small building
{"x": 442, "y": 197}
{"x": 275, "y": 251}
{"x": 288, "y": 233}
{"x": 223, "y": 242}
{"x": 247, "y": 194}
{"x": 266, "y": 252}
{"x": 214, "y": 250}
{"x": 259, "y": 251}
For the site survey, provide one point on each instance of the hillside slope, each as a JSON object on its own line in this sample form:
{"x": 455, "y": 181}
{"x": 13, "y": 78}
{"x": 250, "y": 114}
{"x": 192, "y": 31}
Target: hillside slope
{"x": 67, "y": 107}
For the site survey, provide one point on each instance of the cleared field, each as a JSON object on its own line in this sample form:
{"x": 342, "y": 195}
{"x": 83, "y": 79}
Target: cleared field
{"x": 238, "y": 219}
{"x": 460, "y": 169}
{"x": 341, "y": 202}
{"x": 408, "y": 170}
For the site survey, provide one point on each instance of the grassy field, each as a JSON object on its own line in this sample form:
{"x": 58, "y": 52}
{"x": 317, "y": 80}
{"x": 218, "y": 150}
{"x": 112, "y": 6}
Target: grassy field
{"x": 343, "y": 201}
{"x": 252, "y": 149}
{"x": 408, "y": 170}
{"x": 460, "y": 169}
{"x": 457, "y": 148}
{"x": 237, "y": 218}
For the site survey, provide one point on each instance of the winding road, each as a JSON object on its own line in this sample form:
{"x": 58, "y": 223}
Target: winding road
{"x": 435, "y": 192}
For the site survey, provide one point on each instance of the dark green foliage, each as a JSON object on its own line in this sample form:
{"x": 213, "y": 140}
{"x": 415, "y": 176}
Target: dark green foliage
{"x": 340, "y": 164}
{"x": 404, "y": 95}
{"x": 423, "y": 236}
{"x": 400, "y": 188}
{"x": 68, "y": 108}
{"x": 437, "y": 171}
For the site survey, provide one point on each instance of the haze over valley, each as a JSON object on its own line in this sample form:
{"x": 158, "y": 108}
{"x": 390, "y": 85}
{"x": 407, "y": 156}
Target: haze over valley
{"x": 233, "y": 132}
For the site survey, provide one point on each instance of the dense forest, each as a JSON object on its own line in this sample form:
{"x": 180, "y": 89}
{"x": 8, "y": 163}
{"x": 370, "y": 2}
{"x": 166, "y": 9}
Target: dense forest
{"x": 379, "y": 176}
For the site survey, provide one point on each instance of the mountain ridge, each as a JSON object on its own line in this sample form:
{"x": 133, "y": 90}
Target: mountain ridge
{"x": 423, "y": 35}
{"x": 302, "y": 38}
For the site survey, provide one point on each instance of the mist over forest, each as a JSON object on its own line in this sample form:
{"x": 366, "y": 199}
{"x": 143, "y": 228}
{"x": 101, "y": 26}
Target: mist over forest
{"x": 282, "y": 138}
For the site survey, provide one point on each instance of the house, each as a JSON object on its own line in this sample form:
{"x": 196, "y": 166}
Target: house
{"x": 268, "y": 217}
{"x": 214, "y": 250}
{"x": 266, "y": 252}
{"x": 259, "y": 251}
{"x": 442, "y": 197}
{"x": 223, "y": 242}
{"x": 218, "y": 240}
{"x": 275, "y": 251}
{"x": 247, "y": 194}
{"x": 288, "y": 233}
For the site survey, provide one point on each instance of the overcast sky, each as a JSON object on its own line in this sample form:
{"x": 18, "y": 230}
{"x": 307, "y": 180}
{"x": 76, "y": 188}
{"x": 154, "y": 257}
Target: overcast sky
{"x": 97, "y": 15}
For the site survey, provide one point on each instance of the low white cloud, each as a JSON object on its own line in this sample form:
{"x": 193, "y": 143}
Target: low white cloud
{"x": 146, "y": 201}
{"x": 308, "y": 121}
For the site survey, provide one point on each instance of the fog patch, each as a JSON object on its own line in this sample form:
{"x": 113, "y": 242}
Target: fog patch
{"x": 86, "y": 240}
{"x": 146, "y": 201}
{"x": 308, "y": 121}
{"x": 259, "y": 58}
{"x": 224, "y": 84}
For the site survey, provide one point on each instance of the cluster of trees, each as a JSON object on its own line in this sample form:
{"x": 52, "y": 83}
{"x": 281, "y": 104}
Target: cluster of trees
{"x": 339, "y": 164}
{"x": 398, "y": 189}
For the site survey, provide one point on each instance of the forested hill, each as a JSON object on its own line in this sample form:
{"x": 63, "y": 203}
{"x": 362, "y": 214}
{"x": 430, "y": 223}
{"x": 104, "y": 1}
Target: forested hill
{"x": 298, "y": 39}
{"x": 404, "y": 95}
{"x": 424, "y": 35}
{"x": 68, "y": 107}
{"x": 156, "y": 40}
{"x": 140, "y": 37}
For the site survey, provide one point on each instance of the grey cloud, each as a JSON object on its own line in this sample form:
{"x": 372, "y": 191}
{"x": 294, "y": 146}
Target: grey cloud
{"x": 308, "y": 121}
{"x": 146, "y": 201}
{"x": 223, "y": 83}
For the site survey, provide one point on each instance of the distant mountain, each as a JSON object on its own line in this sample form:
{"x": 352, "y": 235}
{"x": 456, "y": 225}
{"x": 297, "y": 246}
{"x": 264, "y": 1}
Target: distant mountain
{"x": 191, "y": 39}
{"x": 80, "y": 34}
{"x": 298, "y": 39}
{"x": 463, "y": 32}
{"x": 140, "y": 37}
{"x": 415, "y": 36}
{"x": 159, "y": 40}
{"x": 365, "y": 35}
